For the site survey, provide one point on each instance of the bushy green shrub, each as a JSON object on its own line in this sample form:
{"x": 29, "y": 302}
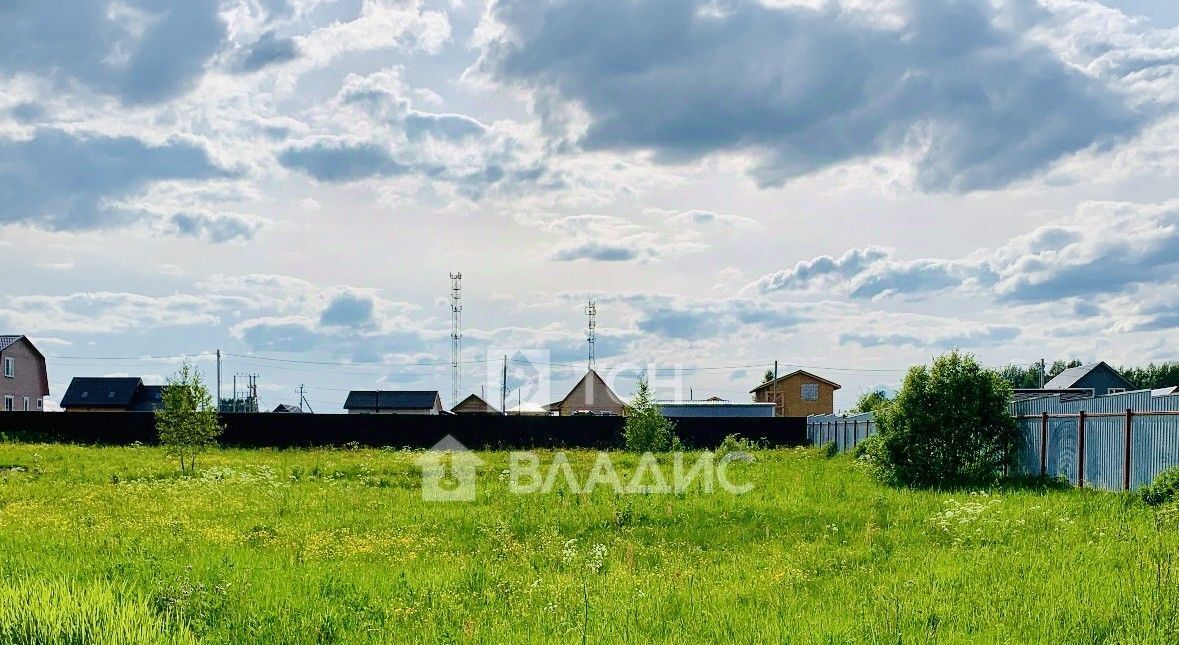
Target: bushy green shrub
{"x": 1164, "y": 488}
{"x": 646, "y": 429}
{"x": 948, "y": 425}
{"x": 735, "y": 443}
{"x": 829, "y": 449}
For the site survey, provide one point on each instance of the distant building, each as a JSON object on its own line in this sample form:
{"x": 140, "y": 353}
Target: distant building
{"x": 393, "y": 402}
{"x": 798, "y": 394}
{"x": 591, "y": 395}
{"x": 24, "y": 382}
{"x": 715, "y": 408}
{"x": 474, "y": 404}
{"x": 111, "y": 394}
{"x": 1100, "y": 378}
{"x": 287, "y": 408}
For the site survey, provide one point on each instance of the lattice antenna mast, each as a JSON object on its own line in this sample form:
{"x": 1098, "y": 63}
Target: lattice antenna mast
{"x": 456, "y": 335}
{"x": 591, "y": 312}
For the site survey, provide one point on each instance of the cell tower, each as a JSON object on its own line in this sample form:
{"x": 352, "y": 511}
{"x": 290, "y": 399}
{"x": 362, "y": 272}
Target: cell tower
{"x": 591, "y": 312}
{"x": 456, "y": 335}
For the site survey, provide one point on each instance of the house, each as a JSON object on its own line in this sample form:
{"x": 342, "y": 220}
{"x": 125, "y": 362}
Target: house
{"x": 798, "y": 394}
{"x": 474, "y": 404}
{"x": 24, "y": 381}
{"x": 111, "y": 394}
{"x": 714, "y": 407}
{"x": 287, "y": 408}
{"x": 393, "y": 402}
{"x": 591, "y": 395}
{"x": 1098, "y": 377}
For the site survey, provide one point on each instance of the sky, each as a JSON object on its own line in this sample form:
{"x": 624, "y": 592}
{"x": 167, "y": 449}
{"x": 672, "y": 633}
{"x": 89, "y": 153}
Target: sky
{"x": 845, "y": 186}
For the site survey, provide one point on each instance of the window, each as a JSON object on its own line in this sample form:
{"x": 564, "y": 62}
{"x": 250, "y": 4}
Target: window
{"x": 27, "y": 408}
{"x": 10, "y": 368}
{"x": 40, "y": 404}
{"x": 1115, "y": 390}
{"x": 7, "y": 403}
{"x": 810, "y": 391}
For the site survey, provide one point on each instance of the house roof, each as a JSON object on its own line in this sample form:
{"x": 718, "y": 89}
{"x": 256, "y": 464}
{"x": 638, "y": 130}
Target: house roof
{"x": 147, "y": 398}
{"x": 1071, "y": 376}
{"x": 391, "y": 399}
{"x": 474, "y": 403}
{"x": 820, "y": 379}
{"x": 7, "y": 340}
{"x": 591, "y": 381}
{"x": 288, "y": 408}
{"x": 101, "y": 392}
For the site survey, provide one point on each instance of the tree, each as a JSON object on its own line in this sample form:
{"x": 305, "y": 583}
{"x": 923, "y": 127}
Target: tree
{"x": 767, "y": 377}
{"x": 1060, "y": 366}
{"x": 646, "y": 429}
{"x": 949, "y": 424}
{"x": 187, "y": 419}
{"x": 872, "y": 401}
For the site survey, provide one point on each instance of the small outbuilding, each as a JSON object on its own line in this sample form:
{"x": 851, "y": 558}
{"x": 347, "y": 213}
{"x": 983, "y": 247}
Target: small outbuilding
{"x": 798, "y": 394}
{"x": 393, "y": 402}
{"x": 591, "y": 396}
{"x": 474, "y": 404}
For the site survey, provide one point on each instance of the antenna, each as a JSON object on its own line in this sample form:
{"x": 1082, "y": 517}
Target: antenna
{"x": 591, "y": 312}
{"x": 456, "y": 335}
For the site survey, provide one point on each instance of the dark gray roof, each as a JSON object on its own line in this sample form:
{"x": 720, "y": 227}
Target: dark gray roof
{"x": 288, "y": 408}
{"x": 1071, "y": 376}
{"x": 148, "y": 398}
{"x": 100, "y": 392}
{"x": 7, "y": 340}
{"x": 391, "y": 400}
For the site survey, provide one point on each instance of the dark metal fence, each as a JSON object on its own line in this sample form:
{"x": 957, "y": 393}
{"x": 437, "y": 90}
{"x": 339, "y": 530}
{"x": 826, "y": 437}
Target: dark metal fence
{"x": 412, "y": 431}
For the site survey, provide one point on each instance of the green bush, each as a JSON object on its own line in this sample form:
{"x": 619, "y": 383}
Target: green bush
{"x": 829, "y": 449}
{"x": 647, "y": 430}
{"x": 949, "y": 425}
{"x": 736, "y": 443}
{"x": 1163, "y": 489}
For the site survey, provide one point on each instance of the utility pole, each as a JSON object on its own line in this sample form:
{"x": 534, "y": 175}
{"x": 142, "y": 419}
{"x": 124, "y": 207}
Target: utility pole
{"x": 456, "y": 335}
{"x": 778, "y": 403}
{"x": 235, "y": 392}
{"x": 218, "y": 380}
{"x": 303, "y": 399}
{"x": 1041, "y": 373}
{"x": 503, "y": 390}
{"x": 591, "y": 312}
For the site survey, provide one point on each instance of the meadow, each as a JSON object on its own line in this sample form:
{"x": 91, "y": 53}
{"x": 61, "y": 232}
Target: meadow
{"x": 112, "y": 545}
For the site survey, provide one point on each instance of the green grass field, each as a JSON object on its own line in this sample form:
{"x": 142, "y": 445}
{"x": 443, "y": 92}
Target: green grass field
{"x": 110, "y": 545}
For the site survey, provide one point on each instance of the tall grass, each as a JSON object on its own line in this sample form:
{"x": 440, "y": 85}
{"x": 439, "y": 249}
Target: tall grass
{"x": 111, "y": 545}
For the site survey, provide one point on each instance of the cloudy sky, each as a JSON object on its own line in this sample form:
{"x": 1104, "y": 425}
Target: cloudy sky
{"x": 852, "y": 186}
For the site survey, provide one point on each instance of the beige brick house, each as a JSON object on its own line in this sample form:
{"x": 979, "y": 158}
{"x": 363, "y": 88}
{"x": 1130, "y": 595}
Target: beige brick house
{"x": 798, "y": 394}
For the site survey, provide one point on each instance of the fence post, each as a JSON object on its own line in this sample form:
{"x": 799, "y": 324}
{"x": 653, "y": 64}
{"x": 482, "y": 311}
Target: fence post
{"x": 1126, "y": 465}
{"x": 855, "y": 432}
{"x": 1044, "y": 445}
{"x": 1081, "y": 449}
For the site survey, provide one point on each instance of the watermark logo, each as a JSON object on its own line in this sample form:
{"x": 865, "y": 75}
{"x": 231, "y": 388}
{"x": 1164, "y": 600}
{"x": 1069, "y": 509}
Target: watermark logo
{"x": 528, "y": 376}
{"x": 449, "y": 472}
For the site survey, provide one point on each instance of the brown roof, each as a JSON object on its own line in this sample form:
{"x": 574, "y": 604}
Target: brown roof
{"x": 820, "y": 379}
{"x": 591, "y": 381}
{"x": 474, "y": 403}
